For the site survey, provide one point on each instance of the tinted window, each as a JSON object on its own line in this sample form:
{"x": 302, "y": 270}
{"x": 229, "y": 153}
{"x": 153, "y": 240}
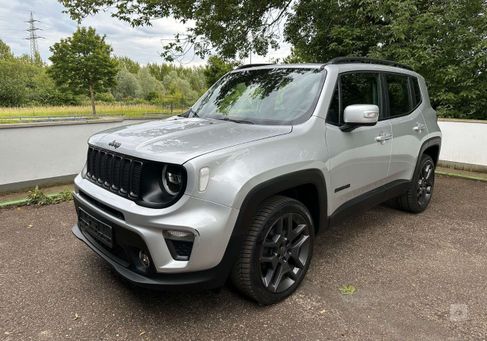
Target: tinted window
{"x": 334, "y": 110}
{"x": 417, "y": 91}
{"x": 355, "y": 88}
{"x": 264, "y": 96}
{"x": 399, "y": 99}
{"x": 359, "y": 88}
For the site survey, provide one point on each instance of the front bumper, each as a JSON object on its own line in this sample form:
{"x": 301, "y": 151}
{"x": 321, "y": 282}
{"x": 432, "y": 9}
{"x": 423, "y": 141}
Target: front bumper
{"x": 199, "y": 280}
{"x": 212, "y": 225}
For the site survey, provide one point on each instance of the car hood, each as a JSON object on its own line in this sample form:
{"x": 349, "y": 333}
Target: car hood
{"x": 177, "y": 140}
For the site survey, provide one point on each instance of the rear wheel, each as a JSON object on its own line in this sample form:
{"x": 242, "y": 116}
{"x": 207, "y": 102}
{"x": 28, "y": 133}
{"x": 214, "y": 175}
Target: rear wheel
{"x": 420, "y": 191}
{"x": 276, "y": 252}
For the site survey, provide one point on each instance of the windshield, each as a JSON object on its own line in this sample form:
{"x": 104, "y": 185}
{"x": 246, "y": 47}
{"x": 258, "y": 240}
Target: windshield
{"x": 262, "y": 96}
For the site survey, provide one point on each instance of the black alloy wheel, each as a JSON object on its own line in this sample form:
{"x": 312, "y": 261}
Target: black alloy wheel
{"x": 276, "y": 252}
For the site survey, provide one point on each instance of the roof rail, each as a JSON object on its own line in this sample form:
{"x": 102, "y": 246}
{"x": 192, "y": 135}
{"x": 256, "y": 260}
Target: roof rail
{"x": 364, "y": 60}
{"x": 246, "y": 66}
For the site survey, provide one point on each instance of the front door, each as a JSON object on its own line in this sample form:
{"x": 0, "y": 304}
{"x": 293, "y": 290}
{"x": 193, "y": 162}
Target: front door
{"x": 359, "y": 159}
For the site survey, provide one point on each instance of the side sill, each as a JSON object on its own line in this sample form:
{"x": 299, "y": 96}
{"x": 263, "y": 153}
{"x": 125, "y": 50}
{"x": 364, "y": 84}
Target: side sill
{"x": 369, "y": 199}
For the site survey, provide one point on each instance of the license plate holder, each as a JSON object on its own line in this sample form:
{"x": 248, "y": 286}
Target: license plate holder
{"x": 96, "y": 229}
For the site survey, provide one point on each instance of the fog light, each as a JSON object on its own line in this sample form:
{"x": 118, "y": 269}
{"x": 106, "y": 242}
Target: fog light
{"x": 144, "y": 260}
{"x": 178, "y": 235}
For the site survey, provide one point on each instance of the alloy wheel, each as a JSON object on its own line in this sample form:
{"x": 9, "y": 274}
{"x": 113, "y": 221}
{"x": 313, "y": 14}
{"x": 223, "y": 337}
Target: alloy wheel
{"x": 284, "y": 252}
{"x": 425, "y": 184}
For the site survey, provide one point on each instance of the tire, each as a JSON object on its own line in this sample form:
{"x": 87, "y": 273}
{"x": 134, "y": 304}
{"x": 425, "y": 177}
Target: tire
{"x": 276, "y": 252}
{"x": 420, "y": 191}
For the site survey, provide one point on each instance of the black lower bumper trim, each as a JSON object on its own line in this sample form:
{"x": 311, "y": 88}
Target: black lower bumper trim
{"x": 199, "y": 280}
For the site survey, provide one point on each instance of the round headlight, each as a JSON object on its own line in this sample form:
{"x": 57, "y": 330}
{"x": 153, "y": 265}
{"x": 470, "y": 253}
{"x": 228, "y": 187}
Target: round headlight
{"x": 172, "y": 179}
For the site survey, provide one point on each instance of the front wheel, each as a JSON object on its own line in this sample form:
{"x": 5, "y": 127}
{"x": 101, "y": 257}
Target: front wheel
{"x": 420, "y": 191}
{"x": 276, "y": 252}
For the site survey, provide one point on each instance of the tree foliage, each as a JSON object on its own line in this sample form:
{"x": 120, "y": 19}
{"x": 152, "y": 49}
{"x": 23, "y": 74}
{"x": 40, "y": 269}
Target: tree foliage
{"x": 443, "y": 40}
{"x": 5, "y": 51}
{"x": 83, "y": 63}
{"x": 151, "y": 88}
{"x": 126, "y": 85}
{"x": 216, "y": 67}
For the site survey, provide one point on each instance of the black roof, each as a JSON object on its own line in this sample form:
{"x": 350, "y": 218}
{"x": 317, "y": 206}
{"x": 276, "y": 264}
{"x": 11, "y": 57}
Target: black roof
{"x": 364, "y": 60}
{"x": 340, "y": 60}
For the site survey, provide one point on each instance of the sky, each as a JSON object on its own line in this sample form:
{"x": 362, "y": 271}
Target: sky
{"x": 143, "y": 44}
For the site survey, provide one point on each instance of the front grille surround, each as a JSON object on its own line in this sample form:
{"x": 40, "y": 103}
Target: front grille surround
{"x": 130, "y": 177}
{"x": 118, "y": 173}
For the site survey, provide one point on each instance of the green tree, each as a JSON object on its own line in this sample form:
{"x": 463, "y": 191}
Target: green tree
{"x": 216, "y": 68}
{"x": 5, "y": 51}
{"x": 83, "y": 64}
{"x": 13, "y": 81}
{"x": 131, "y": 65}
{"x": 442, "y": 40}
{"x": 126, "y": 85}
{"x": 150, "y": 86}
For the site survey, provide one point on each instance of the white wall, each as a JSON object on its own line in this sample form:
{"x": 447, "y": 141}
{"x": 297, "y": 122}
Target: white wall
{"x": 32, "y": 153}
{"x": 464, "y": 142}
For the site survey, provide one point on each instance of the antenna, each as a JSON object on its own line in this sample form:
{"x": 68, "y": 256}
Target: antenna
{"x": 34, "y": 48}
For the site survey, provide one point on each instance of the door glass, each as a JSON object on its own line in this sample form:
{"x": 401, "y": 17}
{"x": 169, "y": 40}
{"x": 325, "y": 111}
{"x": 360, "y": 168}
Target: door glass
{"x": 399, "y": 99}
{"x": 417, "y": 91}
{"x": 333, "y": 116}
{"x": 359, "y": 88}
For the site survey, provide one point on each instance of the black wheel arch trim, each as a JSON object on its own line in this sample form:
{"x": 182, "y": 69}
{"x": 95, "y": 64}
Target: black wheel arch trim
{"x": 431, "y": 142}
{"x": 278, "y": 185}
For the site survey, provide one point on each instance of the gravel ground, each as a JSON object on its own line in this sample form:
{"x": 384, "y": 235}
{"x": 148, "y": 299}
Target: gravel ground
{"x": 418, "y": 277}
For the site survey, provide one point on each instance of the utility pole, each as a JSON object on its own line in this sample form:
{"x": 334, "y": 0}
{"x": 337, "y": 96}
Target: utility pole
{"x": 34, "y": 48}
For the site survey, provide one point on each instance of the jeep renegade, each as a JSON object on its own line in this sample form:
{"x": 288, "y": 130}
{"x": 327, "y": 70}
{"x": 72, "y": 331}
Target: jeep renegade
{"x": 238, "y": 187}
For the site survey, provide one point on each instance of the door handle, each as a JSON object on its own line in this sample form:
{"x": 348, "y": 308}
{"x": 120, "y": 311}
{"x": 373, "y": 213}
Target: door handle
{"x": 383, "y": 138}
{"x": 418, "y": 127}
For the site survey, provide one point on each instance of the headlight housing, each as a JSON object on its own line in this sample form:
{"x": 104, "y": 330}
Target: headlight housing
{"x": 172, "y": 179}
{"x": 162, "y": 185}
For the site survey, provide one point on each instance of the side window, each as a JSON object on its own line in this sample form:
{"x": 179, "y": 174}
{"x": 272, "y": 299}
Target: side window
{"x": 359, "y": 88}
{"x": 355, "y": 88}
{"x": 416, "y": 91}
{"x": 399, "y": 99}
{"x": 334, "y": 110}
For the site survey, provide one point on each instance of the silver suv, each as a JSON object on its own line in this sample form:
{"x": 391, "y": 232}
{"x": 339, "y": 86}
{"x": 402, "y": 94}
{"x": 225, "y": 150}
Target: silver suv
{"x": 238, "y": 187}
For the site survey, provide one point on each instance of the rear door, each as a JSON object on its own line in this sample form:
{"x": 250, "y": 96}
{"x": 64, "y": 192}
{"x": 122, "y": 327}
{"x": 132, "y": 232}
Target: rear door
{"x": 358, "y": 162}
{"x": 403, "y": 110}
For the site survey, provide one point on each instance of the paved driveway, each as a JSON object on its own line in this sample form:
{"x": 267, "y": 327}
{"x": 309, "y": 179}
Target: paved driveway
{"x": 418, "y": 277}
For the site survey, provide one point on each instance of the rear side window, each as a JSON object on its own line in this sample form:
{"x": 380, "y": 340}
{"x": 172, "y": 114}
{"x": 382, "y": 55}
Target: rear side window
{"x": 353, "y": 88}
{"x": 416, "y": 91}
{"x": 400, "y": 101}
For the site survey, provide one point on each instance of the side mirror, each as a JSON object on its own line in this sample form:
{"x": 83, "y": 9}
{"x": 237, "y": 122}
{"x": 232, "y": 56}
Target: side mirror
{"x": 357, "y": 115}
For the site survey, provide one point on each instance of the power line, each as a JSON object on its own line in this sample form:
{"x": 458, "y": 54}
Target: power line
{"x": 34, "y": 47}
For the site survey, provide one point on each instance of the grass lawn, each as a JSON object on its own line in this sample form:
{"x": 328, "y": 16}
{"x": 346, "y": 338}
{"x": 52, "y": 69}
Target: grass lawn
{"x": 30, "y": 114}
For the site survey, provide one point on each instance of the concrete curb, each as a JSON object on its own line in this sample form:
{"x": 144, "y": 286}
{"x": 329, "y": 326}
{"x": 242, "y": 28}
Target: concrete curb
{"x": 462, "y": 166}
{"x": 462, "y": 176}
{"x": 59, "y": 123}
{"x": 18, "y": 186}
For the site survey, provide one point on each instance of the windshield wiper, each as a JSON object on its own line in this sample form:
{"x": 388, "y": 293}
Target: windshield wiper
{"x": 235, "y": 120}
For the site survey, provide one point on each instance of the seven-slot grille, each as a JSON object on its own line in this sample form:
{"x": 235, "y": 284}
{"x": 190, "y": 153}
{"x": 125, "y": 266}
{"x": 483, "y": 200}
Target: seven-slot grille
{"x": 119, "y": 173}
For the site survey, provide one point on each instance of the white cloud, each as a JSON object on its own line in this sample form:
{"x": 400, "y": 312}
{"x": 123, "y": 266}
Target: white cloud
{"x": 143, "y": 44}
